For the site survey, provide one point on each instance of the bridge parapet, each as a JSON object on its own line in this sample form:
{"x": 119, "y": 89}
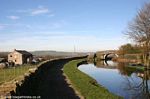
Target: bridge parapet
{"x": 102, "y": 55}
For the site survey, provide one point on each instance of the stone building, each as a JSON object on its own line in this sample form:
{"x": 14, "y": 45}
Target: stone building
{"x": 19, "y": 57}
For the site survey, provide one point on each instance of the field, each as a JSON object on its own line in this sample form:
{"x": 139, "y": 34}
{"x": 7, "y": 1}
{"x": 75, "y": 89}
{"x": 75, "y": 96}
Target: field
{"x": 9, "y": 74}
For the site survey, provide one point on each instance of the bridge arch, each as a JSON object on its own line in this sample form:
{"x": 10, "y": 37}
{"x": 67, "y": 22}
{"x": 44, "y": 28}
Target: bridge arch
{"x": 106, "y": 55}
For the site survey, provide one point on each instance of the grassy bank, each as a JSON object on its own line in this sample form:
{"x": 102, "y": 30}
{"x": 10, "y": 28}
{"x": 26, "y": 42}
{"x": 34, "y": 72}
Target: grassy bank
{"x": 86, "y": 85}
{"x": 9, "y": 74}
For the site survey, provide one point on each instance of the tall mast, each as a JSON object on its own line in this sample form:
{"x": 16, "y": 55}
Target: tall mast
{"x": 74, "y": 49}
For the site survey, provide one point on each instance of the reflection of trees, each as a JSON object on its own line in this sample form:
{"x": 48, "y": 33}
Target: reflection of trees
{"x": 121, "y": 68}
{"x": 138, "y": 88}
{"x": 125, "y": 70}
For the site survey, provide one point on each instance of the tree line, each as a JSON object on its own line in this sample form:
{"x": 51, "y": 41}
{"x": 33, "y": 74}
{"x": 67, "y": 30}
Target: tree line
{"x": 138, "y": 31}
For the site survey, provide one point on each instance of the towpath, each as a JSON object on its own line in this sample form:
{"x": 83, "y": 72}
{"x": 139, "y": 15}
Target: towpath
{"x": 48, "y": 82}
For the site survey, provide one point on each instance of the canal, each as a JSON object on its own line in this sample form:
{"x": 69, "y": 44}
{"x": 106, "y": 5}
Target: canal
{"x": 119, "y": 79}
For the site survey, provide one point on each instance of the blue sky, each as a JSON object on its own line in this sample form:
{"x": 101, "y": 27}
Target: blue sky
{"x": 89, "y": 25}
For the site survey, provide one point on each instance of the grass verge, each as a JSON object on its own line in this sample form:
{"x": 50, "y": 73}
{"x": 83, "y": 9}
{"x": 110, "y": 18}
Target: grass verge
{"x": 9, "y": 74}
{"x": 86, "y": 85}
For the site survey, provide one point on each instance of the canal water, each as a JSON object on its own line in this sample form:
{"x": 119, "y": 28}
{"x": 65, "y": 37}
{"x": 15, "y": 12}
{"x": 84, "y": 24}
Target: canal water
{"x": 119, "y": 79}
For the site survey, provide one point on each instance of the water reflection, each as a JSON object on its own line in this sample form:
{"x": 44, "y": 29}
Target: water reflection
{"x": 120, "y": 79}
{"x": 141, "y": 87}
{"x": 105, "y": 64}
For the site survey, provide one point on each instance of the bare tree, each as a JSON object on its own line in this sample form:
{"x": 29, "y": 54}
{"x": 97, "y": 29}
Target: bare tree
{"x": 139, "y": 31}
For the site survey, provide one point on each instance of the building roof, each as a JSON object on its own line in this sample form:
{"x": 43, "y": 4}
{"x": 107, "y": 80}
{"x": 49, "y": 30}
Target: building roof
{"x": 23, "y": 52}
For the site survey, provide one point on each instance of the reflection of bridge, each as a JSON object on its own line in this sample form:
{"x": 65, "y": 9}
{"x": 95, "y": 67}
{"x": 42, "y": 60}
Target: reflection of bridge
{"x": 106, "y": 55}
{"x": 105, "y": 64}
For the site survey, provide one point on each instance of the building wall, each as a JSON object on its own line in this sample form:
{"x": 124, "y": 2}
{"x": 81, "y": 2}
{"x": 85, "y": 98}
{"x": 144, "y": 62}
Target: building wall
{"x": 15, "y": 57}
{"x": 26, "y": 59}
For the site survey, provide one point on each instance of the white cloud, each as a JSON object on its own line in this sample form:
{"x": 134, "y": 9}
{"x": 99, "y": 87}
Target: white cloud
{"x": 39, "y": 10}
{"x": 12, "y": 17}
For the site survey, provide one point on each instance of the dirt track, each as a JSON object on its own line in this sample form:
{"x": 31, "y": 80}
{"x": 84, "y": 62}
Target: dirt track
{"x": 47, "y": 82}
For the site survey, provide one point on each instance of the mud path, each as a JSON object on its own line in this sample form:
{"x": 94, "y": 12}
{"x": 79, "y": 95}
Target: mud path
{"x": 48, "y": 82}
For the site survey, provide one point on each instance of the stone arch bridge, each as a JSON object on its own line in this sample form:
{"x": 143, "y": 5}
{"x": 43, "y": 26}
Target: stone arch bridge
{"x": 105, "y": 55}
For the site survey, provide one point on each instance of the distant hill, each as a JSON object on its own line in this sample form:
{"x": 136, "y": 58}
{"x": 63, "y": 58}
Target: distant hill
{"x": 56, "y": 53}
{"x": 46, "y": 53}
{"x": 106, "y": 51}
